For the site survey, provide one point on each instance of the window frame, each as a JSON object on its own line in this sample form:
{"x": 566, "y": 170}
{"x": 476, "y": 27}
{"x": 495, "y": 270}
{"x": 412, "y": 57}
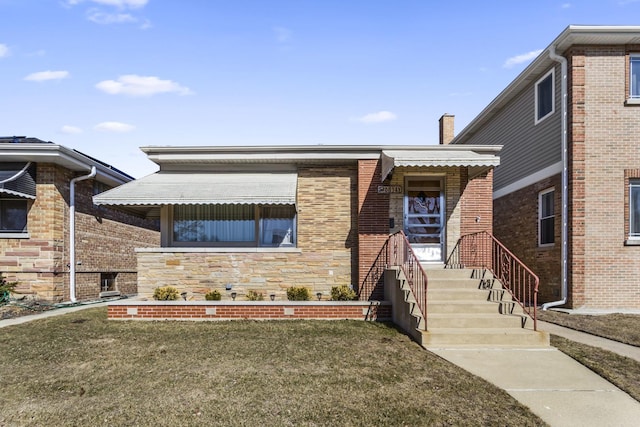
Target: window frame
{"x": 257, "y": 218}
{"x": 551, "y": 73}
{"x": 24, "y": 233}
{"x": 634, "y": 183}
{"x": 542, "y": 218}
{"x": 634, "y": 59}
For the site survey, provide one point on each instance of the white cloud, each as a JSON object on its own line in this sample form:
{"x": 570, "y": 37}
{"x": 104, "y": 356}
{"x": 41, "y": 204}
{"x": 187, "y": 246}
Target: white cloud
{"x": 103, "y": 18}
{"x": 519, "y": 59}
{"x": 4, "y": 50}
{"x": 134, "y": 85}
{"x": 379, "y": 117}
{"x": 116, "y": 127}
{"x": 120, "y": 4}
{"x": 566, "y": 5}
{"x": 47, "y": 75}
{"x": 283, "y": 35}
{"x": 70, "y": 130}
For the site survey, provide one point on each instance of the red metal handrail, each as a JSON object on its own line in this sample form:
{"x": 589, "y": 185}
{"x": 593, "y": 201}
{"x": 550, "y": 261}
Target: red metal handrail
{"x": 397, "y": 252}
{"x": 483, "y": 250}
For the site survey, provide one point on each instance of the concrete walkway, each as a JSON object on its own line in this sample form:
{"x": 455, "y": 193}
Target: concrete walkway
{"x": 554, "y": 386}
{"x": 49, "y": 313}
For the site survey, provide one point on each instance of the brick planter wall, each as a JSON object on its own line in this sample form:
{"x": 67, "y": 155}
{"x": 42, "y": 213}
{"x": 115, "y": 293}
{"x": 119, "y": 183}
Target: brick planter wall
{"x": 225, "y": 310}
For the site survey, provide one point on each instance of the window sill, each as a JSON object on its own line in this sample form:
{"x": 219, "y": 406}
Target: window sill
{"x": 632, "y": 242}
{"x": 14, "y": 235}
{"x": 632, "y": 101}
{"x": 182, "y": 249}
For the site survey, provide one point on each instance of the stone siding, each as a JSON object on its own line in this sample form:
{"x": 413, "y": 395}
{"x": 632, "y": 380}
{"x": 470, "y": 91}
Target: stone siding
{"x": 325, "y": 256}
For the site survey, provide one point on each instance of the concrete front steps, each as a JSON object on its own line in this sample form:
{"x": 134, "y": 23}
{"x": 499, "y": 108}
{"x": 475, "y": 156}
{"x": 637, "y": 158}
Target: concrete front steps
{"x": 469, "y": 308}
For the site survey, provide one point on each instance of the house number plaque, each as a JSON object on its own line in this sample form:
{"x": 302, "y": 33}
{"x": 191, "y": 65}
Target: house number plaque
{"x": 389, "y": 189}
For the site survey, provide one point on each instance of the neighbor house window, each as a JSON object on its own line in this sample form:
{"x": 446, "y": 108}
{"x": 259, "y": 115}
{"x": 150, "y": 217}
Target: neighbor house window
{"x": 546, "y": 217}
{"x": 634, "y": 208}
{"x": 234, "y": 225}
{"x": 13, "y": 216}
{"x": 545, "y": 94}
{"x": 634, "y": 76}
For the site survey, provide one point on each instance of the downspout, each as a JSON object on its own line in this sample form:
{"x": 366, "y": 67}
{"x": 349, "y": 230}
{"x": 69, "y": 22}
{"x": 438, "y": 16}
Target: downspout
{"x": 565, "y": 182}
{"x": 72, "y": 231}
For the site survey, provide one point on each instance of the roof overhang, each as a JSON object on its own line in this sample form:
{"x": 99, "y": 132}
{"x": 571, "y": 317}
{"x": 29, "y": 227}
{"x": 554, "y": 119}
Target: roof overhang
{"x": 477, "y": 159}
{"x": 63, "y": 156}
{"x": 187, "y": 188}
{"x": 573, "y": 35}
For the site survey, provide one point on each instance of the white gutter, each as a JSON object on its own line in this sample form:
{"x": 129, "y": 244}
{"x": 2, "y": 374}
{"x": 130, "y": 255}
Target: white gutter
{"x": 565, "y": 180}
{"x": 72, "y": 231}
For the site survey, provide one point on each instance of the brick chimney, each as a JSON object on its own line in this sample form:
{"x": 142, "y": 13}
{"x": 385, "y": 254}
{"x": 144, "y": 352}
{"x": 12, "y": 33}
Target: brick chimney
{"x": 446, "y": 128}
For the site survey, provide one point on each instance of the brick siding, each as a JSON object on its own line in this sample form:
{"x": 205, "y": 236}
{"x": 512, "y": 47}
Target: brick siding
{"x": 246, "y": 310}
{"x": 105, "y": 241}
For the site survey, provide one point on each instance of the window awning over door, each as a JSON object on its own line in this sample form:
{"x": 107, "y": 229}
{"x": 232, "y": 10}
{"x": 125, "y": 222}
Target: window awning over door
{"x": 186, "y": 188}
{"x": 476, "y": 162}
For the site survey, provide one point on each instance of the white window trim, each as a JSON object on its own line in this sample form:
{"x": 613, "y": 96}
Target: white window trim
{"x": 553, "y": 96}
{"x": 633, "y": 183}
{"x": 633, "y": 98}
{"x": 540, "y": 218}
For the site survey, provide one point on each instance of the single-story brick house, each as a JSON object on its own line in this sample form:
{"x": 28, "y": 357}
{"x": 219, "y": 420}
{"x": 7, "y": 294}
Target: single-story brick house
{"x": 265, "y": 218}
{"x": 54, "y": 241}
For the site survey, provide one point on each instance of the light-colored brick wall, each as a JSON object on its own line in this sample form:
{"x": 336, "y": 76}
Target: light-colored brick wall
{"x": 104, "y": 241}
{"x": 604, "y": 143}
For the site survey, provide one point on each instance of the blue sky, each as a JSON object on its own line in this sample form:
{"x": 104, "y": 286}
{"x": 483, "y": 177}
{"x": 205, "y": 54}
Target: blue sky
{"x": 108, "y": 76}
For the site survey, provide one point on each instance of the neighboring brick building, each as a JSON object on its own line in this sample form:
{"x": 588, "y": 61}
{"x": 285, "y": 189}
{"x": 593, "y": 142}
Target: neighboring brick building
{"x": 594, "y": 188}
{"x": 36, "y": 248}
{"x": 267, "y": 218}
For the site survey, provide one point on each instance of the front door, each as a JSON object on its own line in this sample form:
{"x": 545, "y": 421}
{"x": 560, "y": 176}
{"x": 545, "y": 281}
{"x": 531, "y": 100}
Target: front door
{"x": 424, "y": 217}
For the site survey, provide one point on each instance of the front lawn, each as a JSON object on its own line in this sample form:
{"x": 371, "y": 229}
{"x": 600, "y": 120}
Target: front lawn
{"x": 81, "y": 369}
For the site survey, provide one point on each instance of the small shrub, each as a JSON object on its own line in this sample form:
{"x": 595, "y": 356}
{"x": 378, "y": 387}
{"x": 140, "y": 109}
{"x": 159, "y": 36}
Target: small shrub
{"x": 298, "y": 293}
{"x": 6, "y": 288}
{"x": 343, "y": 293}
{"x": 166, "y": 293}
{"x": 213, "y": 295}
{"x": 254, "y": 296}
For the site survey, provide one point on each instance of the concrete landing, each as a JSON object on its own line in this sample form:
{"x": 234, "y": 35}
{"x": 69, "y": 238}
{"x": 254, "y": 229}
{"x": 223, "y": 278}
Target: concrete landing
{"x": 555, "y": 387}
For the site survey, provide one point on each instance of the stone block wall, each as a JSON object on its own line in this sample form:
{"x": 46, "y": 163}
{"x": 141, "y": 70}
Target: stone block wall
{"x": 325, "y": 256}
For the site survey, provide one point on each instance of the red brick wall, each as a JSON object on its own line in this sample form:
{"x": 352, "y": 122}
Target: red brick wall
{"x": 516, "y": 226}
{"x": 245, "y": 310}
{"x": 373, "y": 221}
{"x": 476, "y": 202}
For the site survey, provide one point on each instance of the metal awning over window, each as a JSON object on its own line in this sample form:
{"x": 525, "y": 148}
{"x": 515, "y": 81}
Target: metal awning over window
{"x": 185, "y": 188}
{"x": 476, "y": 162}
{"x": 18, "y": 180}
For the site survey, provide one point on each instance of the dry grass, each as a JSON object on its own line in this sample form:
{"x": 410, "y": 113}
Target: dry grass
{"x": 619, "y": 370}
{"x": 624, "y": 328}
{"x": 80, "y": 369}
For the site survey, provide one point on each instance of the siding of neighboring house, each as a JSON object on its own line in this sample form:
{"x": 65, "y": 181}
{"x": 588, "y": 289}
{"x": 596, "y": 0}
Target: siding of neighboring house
{"x": 604, "y": 138}
{"x": 104, "y": 242}
{"x": 528, "y": 147}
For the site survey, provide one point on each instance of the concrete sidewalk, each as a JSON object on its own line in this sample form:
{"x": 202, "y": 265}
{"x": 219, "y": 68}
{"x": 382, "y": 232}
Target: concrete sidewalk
{"x": 554, "y": 386}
